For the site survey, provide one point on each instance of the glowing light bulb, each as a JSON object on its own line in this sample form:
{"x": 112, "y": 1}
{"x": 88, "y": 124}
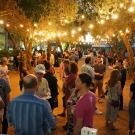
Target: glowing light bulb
{"x": 121, "y": 5}
{"x": 113, "y": 35}
{"x": 73, "y": 31}
{"x": 65, "y": 33}
{"x": 82, "y": 16}
{"x": 44, "y": 39}
{"x": 41, "y": 40}
{"x": 100, "y": 11}
{"x": 43, "y": 34}
{"x": 40, "y": 33}
{"x": 50, "y": 23}
{"x": 59, "y": 34}
{"x": 133, "y": 0}
{"x": 127, "y": 30}
{"x": 102, "y": 21}
{"x": 65, "y": 20}
{"x": 131, "y": 9}
{"x": 120, "y": 31}
{"x": 1, "y": 22}
{"x": 35, "y": 25}
{"x": 7, "y": 25}
{"x": 115, "y": 17}
{"x": 28, "y": 30}
{"x": 72, "y": 35}
{"x": 35, "y": 38}
{"x": 21, "y": 25}
{"x": 79, "y": 29}
{"x": 91, "y": 26}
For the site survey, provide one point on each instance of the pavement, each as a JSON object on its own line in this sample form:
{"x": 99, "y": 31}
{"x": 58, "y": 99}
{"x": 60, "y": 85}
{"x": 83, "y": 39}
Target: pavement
{"x": 99, "y": 120}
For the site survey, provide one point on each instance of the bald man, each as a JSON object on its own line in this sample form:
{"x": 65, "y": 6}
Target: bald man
{"x": 28, "y": 113}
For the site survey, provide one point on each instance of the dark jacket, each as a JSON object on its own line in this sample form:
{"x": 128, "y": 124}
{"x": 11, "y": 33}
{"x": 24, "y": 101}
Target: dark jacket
{"x": 123, "y": 77}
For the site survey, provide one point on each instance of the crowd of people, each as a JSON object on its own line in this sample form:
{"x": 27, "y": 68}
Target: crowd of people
{"x": 39, "y": 92}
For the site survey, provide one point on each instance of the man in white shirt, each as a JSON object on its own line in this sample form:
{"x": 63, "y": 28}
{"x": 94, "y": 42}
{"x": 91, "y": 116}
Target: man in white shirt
{"x": 43, "y": 88}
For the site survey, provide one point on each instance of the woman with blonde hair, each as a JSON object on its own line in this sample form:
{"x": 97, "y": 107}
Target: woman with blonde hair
{"x": 112, "y": 106}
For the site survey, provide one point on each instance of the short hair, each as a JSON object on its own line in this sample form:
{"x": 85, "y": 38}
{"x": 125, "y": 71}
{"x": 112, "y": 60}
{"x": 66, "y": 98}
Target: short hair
{"x": 87, "y": 60}
{"x": 31, "y": 83}
{"x": 66, "y": 61}
{"x": 47, "y": 65}
{"x": 120, "y": 61}
{"x": 85, "y": 78}
{"x": 98, "y": 57}
{"x": 73, "y": 67}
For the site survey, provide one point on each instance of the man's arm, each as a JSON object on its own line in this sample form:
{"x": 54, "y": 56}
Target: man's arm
{"x": 48, "y": 118}
{"x": 8, "y": 96}
{"x": 78, "y": 126}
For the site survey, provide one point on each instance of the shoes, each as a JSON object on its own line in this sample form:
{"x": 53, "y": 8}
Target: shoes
{"x": 106, "y": 92}
{"x": 120, "y": 108}
{"x": 65, "y": 127}
{"x": 102, "y": 97}
{"x": 98, "y": 112}
{"x": 62, "y": 115}
{"x": 100, "y": 101}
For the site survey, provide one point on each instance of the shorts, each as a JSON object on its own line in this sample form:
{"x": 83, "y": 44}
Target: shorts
{"x": 99, "y": 84}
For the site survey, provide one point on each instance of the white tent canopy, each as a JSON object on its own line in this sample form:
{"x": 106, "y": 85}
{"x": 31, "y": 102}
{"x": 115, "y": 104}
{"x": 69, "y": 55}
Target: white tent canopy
{"x": 101, "y": 45}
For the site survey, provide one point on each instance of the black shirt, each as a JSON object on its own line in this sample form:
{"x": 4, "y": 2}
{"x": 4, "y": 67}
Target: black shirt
{"x": 52, "y": 81}
{"x": 24, "y": 73}
{"x": 132, "y": 88}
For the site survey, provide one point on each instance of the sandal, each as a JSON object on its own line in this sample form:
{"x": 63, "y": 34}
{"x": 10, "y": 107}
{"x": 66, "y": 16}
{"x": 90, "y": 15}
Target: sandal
{"x": 62, "y": 115}
{"x": 113, "y": 128}
{"x": 100, "y": 101}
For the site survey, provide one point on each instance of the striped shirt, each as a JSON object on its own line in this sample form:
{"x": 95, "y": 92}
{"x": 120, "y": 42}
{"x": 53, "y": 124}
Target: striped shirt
{"x": 30, "y": 115}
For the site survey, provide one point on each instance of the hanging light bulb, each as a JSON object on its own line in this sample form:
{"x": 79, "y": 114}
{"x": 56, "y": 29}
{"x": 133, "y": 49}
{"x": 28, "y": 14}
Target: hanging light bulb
{"x": 113, "y": 35}
{"x": 131, "y": 9}
{"x": 7, "y": 25}
{"x": 65, "y": 20}
{"x": 100, "y": 11}
{"x": 50, "y": 23}
{"x": 72, "y": 35}
{"x": 79, "y": 29}
{"x": 59, "y": 34}
{"x": 82, "y": 16}
{"x": 28, "y": 30}
{"x": 21, "y": 25}
{"x": 1, "y": 22}
{"x": 73, "y": 31}
{"x": 91, "y": 26}
{"x": 65, "y": 33}
{"x": 115, "y": 17}
{"x": 121, "y": 5}
{"x": 35, "y": 25}
{"x": 102, "y": 21}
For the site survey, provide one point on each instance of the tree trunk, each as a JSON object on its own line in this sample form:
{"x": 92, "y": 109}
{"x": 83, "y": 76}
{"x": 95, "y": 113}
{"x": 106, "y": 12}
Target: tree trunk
{"x": 56, "y": 45}
{"x": 25, "y": 55}
{"x": 130, "y": 54}
{"x": 67, "y": 46}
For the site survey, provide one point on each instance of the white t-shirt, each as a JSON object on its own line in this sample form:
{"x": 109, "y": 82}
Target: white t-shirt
{"x": 52, "y": 58}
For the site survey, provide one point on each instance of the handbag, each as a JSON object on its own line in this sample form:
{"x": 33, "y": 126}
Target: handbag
{"x": 114, "y": 103}
{"x": 71, "y": 89}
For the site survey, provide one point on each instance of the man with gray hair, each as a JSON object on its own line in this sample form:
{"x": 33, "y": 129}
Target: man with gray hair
{"x": 43, "y": 88}
{"x": 28, "y": 113}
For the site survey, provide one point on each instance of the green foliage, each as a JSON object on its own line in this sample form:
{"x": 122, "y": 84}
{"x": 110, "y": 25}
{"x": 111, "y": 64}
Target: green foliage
{"x": 64, "y": 45}
{"x": 34, "y": 8}
{"x": 5, "y": 53}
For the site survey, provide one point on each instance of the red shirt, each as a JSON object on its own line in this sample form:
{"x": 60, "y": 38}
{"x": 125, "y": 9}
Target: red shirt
{"x": 85, "y": 108}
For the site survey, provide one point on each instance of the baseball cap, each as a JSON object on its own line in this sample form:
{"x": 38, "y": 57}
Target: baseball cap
{"x": 40, "y": 68}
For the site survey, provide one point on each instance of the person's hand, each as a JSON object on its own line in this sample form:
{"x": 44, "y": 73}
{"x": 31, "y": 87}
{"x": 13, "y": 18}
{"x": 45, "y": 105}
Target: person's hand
{"x": 96, "y": 73}
{"x": 100, "y": 75}
{"x": 8, "y": 72}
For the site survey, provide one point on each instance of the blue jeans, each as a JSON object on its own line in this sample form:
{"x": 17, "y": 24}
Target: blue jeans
{"x": 131, "y": 114}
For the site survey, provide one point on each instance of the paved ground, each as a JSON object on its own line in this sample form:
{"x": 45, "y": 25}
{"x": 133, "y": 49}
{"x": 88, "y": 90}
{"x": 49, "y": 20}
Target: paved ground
{"x": 99, "y": 120}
